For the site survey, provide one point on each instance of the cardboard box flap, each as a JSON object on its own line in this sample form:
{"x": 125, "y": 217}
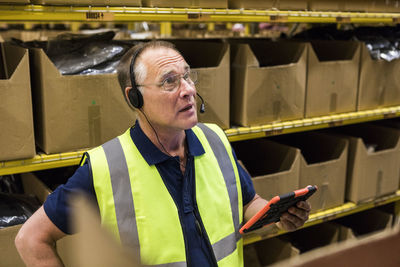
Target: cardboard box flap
{"x": 277, "y": 53}
{"x": 333, "y": 50}
{"x": 371, "y": 136}
{"x": 13, "y": 56}
{"x": 211, "y": 55}
{"x": 377, "y": 250}
{"x": 243, "y": 57}
{"x": 41, "y": 59}
{"x": 279, "y": 158}
{"x": 367, "y": 222}
{"x": 32, "y": 185}
{"x": 315, "y": 147}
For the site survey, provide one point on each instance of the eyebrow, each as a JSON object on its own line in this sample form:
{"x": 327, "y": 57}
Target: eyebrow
{"x": 167, "y": 73}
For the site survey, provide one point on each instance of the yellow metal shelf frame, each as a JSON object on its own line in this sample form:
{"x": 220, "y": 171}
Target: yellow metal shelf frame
{"x": 278, "y": 128}
{"x": 23, "y": 13}
{"x": 43, "y": 161}
{"x": 324, "y": 216}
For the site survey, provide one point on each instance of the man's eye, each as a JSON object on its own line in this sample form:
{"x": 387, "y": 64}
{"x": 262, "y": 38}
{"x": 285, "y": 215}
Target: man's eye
{"x": 186, "y": 76}
{"x": 170, "y": 80}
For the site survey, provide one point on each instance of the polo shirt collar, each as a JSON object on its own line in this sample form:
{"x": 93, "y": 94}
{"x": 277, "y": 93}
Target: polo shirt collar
{"x": 153, "y": 155}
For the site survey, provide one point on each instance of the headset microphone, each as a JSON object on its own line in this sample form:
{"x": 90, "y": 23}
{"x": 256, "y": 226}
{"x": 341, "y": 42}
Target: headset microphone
{"x": 202, "y": 107}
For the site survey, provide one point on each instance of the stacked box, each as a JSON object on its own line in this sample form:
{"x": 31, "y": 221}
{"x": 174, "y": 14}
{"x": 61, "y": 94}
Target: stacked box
{"x": 186, "y": 3}
{"x": 373, "y": 161}
{"x": 355, "y": 5}
{"x": 268, "y": 81}
{"x": 375, "y": 250}
{"x": 269, "y": 4}
{"x": 8, "y": 252}
{"x": 323, "y": 163}
{"x": 16, "y": 119}
{"x": 212, "y": 66}
{"x": 91, "y": 3}
{"x": 367, "y": 222}
{"x": 76, "y": 111}
{"x": 274, "y": 168}
{"x": 332, "y": 77}
{"x": 379, "y": 84}
{"x": 272, "y": 250}
{"x": 317, "y": 236}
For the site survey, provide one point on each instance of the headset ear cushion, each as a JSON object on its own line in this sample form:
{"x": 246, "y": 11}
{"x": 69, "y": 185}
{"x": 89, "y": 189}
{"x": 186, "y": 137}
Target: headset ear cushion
{"x": 136, "y": 98}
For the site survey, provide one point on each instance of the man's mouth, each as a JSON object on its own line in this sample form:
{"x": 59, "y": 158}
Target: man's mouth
{"x": 186, "y": 108}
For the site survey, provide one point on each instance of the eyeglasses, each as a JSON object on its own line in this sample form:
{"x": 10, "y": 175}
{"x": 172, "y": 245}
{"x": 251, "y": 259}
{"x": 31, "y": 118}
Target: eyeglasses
{"x": 173, "y": 82}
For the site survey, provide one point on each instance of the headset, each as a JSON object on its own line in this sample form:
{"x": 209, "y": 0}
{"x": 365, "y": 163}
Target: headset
{"x": 134, "y": 95}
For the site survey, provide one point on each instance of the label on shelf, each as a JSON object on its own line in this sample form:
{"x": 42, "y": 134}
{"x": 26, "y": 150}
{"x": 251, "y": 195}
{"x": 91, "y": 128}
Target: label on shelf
{"x": 102, "y": 16}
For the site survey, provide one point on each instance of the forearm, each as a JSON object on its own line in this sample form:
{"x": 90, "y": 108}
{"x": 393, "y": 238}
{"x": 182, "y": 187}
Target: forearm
{"x": 253, "y": 207}
{"x": 36, "y": 241}
{"x": 38, "y": 253}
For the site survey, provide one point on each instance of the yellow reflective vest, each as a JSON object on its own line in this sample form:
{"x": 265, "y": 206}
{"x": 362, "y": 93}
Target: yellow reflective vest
{"x": 136, "y": 206}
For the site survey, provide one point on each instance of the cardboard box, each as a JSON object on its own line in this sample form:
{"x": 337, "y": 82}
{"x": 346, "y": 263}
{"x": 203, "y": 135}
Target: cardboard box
{"x": 317, "y": 236}
{"x": 8, "y": 253}
{"x": 269, "y": 4}
{"x": 367, "y": 222}
{"x": 90, "y": 2}
{"x": 379, "y": 84}
{"x": 274, "y": 168}
{"x": 186, "y": 3}
{"x": 268, "y": 82}
{"x": 377, "y": 250}
{"x": 355, "y": 5}
{"x": 15, "y": 1}
{"x": 332, "y": 77}
{"x": 16, "y": 118}
{"x": 76, "y": 111}
{"x": 212, "y": 65}
{"x": 33, "y": 35}
{"x": 323, "y": 163}
{"x": 272, "y": 250}
{"x": 373, "y": 161}
{"x": 338, "y": 5}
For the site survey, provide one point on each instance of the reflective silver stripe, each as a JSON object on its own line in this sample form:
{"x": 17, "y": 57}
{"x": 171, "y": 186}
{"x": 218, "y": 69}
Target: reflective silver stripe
{"x": 172, "y": 264}
{"x": 223, "y": 247}
{"x": 122, "y": 192}
{"x": 226, "y": 246}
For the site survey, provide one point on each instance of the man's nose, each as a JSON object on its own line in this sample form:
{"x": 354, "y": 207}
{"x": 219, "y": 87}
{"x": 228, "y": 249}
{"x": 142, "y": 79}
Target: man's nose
{"x": 187, "y": 88}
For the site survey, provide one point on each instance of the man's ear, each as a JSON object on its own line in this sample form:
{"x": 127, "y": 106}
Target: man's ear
{"x": 127, "y": 89}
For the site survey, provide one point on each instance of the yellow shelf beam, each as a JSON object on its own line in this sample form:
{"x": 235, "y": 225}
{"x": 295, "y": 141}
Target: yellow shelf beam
{"x": 245, "y": 133}
{"x": 43, "y": 161}
{"x": 324, "y": 216}
{"x": 23, "y": 13}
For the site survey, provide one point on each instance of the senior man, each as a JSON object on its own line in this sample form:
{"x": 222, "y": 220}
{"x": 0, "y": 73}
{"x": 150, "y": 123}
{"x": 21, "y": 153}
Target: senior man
{"x": 169, "y": 188}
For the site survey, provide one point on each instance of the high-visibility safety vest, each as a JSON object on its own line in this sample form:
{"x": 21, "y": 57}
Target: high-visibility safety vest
{"x": 136, "y": 206}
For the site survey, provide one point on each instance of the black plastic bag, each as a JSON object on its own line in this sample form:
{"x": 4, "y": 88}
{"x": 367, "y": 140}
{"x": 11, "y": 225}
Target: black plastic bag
{"x": 16, "y": 209}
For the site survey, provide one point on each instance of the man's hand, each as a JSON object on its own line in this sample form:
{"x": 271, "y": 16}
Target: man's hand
{"x": 295, "y": 217}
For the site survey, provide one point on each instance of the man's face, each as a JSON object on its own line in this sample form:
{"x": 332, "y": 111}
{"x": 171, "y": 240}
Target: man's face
{"x": 170, "y": 110}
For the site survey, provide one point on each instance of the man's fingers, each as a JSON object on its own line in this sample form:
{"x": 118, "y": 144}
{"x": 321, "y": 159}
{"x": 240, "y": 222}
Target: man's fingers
{"x": 305, "y": 205}
{"x": 300, "y": 213}
{"x": 290, "y": 220}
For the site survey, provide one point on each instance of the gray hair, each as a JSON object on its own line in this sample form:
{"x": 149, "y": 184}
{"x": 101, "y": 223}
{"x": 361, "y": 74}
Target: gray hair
{"x": 140, "y": 70}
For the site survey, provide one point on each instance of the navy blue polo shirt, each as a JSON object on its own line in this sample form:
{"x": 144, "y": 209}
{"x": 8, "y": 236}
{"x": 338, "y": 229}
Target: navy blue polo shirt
{"x": 180, "y": 186}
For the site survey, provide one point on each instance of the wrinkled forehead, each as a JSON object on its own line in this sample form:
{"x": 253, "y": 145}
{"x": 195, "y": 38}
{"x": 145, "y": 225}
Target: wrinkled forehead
{"x": 163, "y": 60}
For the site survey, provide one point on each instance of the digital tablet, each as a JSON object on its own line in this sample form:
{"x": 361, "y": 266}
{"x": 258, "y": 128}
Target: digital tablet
{"x": 272, "y": 212}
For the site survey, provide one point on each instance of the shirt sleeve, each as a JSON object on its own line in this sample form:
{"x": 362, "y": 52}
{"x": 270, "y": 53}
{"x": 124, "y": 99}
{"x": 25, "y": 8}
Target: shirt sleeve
{"x": 246, "y": 183}
{"x": 57, "y": 205}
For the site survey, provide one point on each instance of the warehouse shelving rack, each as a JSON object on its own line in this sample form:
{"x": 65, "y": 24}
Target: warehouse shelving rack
{"x": 43, "y": 161}
{"x": 45, "y": 13}
{"x": 42, "y": 13}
